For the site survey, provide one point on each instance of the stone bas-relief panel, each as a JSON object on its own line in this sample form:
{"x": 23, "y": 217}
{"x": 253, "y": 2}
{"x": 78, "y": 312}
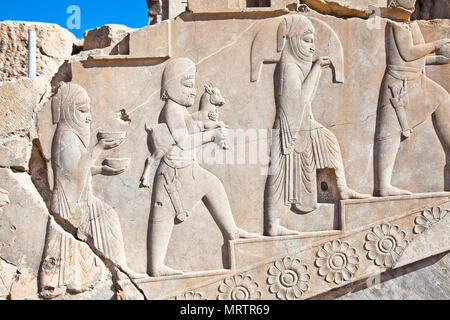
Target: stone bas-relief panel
{"x": 245, "y": 161}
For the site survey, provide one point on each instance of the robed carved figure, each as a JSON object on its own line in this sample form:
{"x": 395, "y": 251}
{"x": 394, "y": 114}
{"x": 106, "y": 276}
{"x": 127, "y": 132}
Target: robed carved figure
{"x": 300, "y": 145}
{"x": 66, "y": 264}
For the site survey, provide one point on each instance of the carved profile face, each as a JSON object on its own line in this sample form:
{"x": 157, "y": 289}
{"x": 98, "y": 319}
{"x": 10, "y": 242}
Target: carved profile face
{"x": 178, "y": 82}
{"x": 71, "y": 107}
{"x": 297, "y": 32}
{"x": 187, "y": 94}
{"x": 408, "y": 5}
{"x": 83, "y": 113}
{"x": 303, "y": 46}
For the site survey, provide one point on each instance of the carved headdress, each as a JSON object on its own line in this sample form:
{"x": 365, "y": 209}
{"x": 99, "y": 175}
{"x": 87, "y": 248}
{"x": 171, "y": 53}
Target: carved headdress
{"x": 290, "y": 26}
{"x": 64, "y": 106}
{"x": 291, "y": 29}
{"x": 174, "y": 71}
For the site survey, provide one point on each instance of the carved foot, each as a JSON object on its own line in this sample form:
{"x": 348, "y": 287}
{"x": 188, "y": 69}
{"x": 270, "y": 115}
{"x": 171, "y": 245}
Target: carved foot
{"x": 277, "y": 230}
{"x": 348, "y": 193}
{"x": 303, "y": 209}
{"x": 145, "y": 183}
{"x": 135, "y": 275}
{"x": 165, "y": 271}
{"x": 391, "y": 191}
{"x": 52, "y": 293}
{"x": 247, "y": 235}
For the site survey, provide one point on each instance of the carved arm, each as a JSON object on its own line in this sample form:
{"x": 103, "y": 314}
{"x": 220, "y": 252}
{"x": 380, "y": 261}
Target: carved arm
{"x": 406, "y": 47}
{"x": 176, "y": 122}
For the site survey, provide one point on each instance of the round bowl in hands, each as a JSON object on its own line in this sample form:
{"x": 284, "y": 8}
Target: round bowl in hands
{"x": 117, "y": 164}
{"x": 103, "y": 135}
{"x": 444, "y": 51}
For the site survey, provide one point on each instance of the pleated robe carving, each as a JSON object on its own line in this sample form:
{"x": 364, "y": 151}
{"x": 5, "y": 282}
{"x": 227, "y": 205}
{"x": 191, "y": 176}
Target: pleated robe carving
{"x": 300, "y": 145}
{"x": 95, "y": 222}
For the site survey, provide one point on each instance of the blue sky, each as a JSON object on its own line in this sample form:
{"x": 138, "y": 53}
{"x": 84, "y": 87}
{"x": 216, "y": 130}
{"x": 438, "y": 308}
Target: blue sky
{"x": 94, "y": 13}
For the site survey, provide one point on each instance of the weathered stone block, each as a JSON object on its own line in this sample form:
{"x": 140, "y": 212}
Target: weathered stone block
{"x": 152, "y": 41}
{"x": 15, "y": 154}
{"x": 54, "y": 45}
{"x": 19, "y": 100}
{"x": 110, "y": 35}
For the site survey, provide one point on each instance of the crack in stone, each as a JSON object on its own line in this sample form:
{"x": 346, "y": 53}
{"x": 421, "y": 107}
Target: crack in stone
{"x": 63, "y": 226}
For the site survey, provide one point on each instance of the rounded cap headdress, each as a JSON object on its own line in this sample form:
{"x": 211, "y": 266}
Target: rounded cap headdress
{"x": 64, "y": 106}
{"x": 175, "y": 69}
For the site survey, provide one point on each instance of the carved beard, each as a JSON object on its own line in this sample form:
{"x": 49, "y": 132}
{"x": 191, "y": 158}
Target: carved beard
{"x": 182, "y": 97}
{"x": 177, "y": 92}
{"x": 176, "y": 71}
{"x": 302, "y": 55}
{"x": 64, "y": 110}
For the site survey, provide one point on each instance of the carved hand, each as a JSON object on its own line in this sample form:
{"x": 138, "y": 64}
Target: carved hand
{"x": 214, "y": 115}
{"x": 440, "y": 43}
{"x": 220, "y": 135}
{"x": 108, "y": 144}
{"x": 441, "y": 60}
{"x": 324, "y": 62}
{"x": 145, "y": 181}
{"x": 96, "y": 170}
{"x": 108, "y": 171}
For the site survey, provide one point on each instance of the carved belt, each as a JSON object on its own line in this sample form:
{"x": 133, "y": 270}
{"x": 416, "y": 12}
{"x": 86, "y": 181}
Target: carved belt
{"x": 405, "y": 74}
{"x": 399, "y": 98}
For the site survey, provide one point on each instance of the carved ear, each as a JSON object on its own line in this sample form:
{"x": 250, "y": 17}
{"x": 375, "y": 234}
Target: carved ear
{"x": 281, "y": 36}
{"x": 209, "y": 88}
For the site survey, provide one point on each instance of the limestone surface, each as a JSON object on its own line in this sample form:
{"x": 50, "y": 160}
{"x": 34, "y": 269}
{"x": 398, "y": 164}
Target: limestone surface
{"x": 106, "y": 36}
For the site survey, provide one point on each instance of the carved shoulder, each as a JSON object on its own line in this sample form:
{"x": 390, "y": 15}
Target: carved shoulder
{"x": 291, "y": 76}
{"x": 66, "y": 151}
{"x": 175, "y": 116}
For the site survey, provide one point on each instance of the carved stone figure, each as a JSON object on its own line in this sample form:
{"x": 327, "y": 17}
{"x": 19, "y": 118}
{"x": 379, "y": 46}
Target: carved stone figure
{"x": 73, "y": 203}
{"x": 206, "y": 119}
{"x": 180, "y": 183}
{"x": 300, "y": 145}
{"x": 408, "y": 97}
